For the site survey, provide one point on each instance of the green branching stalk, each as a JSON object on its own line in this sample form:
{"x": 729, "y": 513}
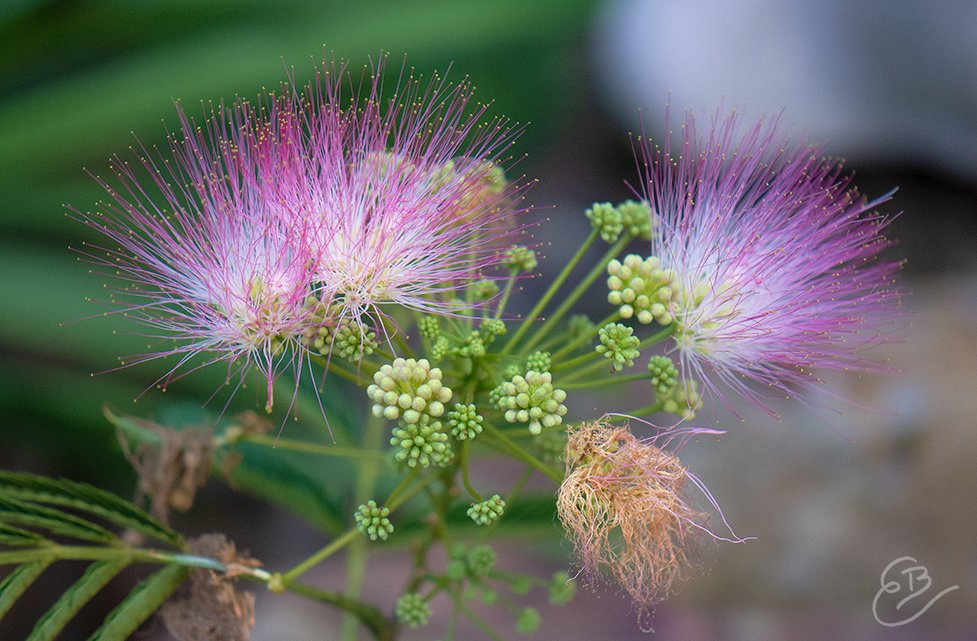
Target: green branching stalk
{"x": 354, "y": 453}
{"x": 550, "y": 293}
{"x": 585, "y": 338}
{"x": 504, "y": 444}
{"x": 319, "y": 556}
{"x": 579, "y": 290}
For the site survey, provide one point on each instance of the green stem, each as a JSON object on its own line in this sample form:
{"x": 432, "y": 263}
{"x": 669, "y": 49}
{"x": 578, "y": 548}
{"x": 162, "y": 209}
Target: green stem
{"x": 580, "y": 289}
{"x": 509, "y": 500}
{"x": 464, "y": 472}
{"x": 320, "y": 556}
{"x": 573, "y": 362}
{"x": 482, "y": 625}
{"x": 312, "y": 448}
{"x": 367, "y": 472}
{"x": 651, "y": 409}
{"x": 583, "y": 338}
{"x": 367, "y": 369}
{"x": 393, "y": 504}
{"x": 550, "y": 292}
{"x": 400, "y": 488}
{"x": 382, "y": 628}
{"x": 602, "y": 382}
{"x": 509, "y": 446}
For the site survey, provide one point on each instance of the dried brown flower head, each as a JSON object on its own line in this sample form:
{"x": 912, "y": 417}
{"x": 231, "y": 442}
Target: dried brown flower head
{"x": 622, "y": 506}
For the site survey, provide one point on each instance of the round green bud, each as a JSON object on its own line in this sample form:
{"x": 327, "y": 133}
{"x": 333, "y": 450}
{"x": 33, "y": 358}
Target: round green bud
{"x": 413, "y": 610}
{"x": 481, "y": 560}
{"x": 562, "y": 589}
{"x": 464, "y": 422}
{"x": 606, "y": 219}
{"x": 429, "y": 327}
{"x": 372, "y": 521}
{"x": 618, "y": 344}
{"x": 528, "y": 621}
{"x": 487, "y": 511}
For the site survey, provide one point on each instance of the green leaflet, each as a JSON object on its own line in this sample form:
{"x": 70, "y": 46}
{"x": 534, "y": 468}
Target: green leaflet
{"x": 20, "y": 579}
{"x": 56, "y": 521}
{"x": 141, "y": 603}
{"x": 94, "y": 579}
{"x": 20, "y": 488}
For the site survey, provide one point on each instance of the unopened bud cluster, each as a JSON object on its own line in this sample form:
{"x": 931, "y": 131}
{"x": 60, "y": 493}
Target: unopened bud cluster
{"x": 487, "y": 511}
{"x": 465, "y": 422}
{"x": 413, "y": 610}
{"x": 618, "y": 344}
{"x": 520, "y": 259}
{"x": 642, "y": 290}
{"x": 408, "y": 389}
{"x": 423, "y": 443}
{"x": 531, "y": 399}
{"x": 633, "y": 217}
{"x": 372, "y": 521}
{"x": 664, "y": 375}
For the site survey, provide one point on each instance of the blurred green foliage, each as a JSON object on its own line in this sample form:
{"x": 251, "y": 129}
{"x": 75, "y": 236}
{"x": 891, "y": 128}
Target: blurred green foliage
{"x": 79, "y": 78}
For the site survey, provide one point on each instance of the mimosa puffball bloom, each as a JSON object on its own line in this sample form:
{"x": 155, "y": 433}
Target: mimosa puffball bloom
{"x": 764, "y": 258}
{"x": 278, "y": 225}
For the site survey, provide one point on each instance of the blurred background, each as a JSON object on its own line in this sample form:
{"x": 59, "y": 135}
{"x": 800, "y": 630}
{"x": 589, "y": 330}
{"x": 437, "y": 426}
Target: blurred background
{"x": 890, "y": 86}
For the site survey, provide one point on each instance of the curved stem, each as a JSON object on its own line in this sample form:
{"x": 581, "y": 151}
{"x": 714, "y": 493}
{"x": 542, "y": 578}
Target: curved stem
{"x": 464, "y": 472}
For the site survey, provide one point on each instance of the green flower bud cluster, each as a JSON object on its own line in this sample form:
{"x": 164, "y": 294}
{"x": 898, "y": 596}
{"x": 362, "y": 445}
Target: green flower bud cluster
{"x": 484, "y": 289}
{"x": 562, "y": 589}
{"x": 528, "y": 621}
{"x": 493, "y": 327}
{"x": 372, "y": 521}
{"x": 487, "y": 511}
{"x": 475, "y": 346}
{"x": 532, "y": 399}
{"x": 350, "y": 341}
{"x": 429, "y": 327}
{"x": 682, "y": 400}
{"x": 510, "y": 371}
{"x": 580, "y": 325}
{"x": 413, "y": 610}
{"x": 664, "y": 376}
{"x": 440, "y": 348}
{"x": 422, "y": 443}
{"x": 519, "y": 259}
{"x": 539, "y": 361}
{"x": 637, "y": 218}
{"x": 618, "y": 344}
{"x": 481, "y": 560}
{"x": 408, "y": 389}
{"x": 464, "y": 422}
{"x": 640, "y": 288}
{"x": 606, "y": 219}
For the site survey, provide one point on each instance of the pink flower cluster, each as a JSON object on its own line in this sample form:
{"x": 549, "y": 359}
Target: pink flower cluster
{"x": 766, "y": 258}
{"x": 279, "y": 224}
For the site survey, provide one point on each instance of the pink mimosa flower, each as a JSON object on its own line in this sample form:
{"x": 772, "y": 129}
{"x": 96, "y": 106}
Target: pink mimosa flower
{"x": 281, "y": 223}
{"x": 405, "y": 195}
{"x": 765, "y": 259}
